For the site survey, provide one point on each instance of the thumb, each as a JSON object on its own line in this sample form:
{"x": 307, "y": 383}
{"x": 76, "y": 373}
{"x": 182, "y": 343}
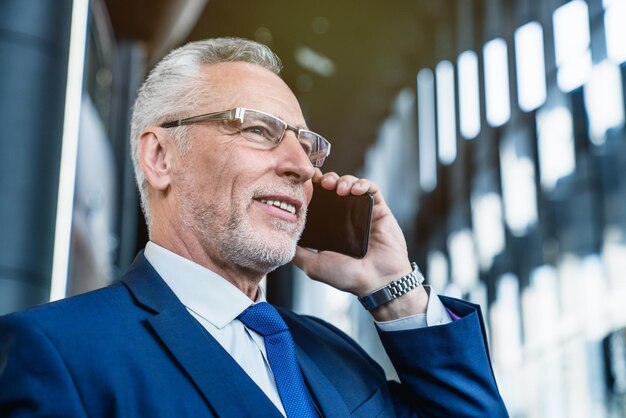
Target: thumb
{"x": 334, "y": 269}
{"x": 317, "y": 265}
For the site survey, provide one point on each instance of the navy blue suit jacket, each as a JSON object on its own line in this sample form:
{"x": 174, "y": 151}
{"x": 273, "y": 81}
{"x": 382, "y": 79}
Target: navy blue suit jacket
{"x": 133, "y": 350}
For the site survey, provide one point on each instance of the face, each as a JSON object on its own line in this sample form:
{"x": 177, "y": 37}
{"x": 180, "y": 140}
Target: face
{"x": 245, "y": 204}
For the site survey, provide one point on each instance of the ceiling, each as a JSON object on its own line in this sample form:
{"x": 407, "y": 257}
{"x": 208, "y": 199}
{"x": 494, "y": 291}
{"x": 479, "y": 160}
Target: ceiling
{"x": 375, "y": 49}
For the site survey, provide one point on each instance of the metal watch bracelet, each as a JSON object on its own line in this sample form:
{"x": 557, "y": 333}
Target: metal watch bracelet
{"x": 393, "y": 290}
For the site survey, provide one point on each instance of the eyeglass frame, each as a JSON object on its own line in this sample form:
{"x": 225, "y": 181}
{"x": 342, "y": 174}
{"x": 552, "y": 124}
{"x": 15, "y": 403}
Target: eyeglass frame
{"x": 238, "y": 113}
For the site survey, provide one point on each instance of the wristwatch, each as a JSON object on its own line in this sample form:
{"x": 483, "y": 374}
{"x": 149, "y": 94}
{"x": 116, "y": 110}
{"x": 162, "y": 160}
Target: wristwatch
{"x": 393, "y": 290}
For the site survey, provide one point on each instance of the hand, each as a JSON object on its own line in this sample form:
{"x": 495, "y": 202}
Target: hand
{"x": 386, "y": 259}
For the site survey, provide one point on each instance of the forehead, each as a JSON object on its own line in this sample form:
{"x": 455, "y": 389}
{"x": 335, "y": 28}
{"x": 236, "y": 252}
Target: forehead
{"x": 241, "y": 84}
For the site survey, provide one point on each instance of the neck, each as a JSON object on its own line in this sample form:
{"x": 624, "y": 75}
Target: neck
{"x": 188, "y": 246}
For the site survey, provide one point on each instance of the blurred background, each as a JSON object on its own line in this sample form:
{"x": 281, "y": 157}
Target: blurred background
{"x": 495, "y": 129}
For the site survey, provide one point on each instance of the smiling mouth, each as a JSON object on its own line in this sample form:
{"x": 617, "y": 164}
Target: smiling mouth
{"x": 287, "y": 207}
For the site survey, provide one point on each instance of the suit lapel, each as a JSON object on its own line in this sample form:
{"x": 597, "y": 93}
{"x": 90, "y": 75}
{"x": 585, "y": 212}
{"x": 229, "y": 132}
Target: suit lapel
{"x": 326, "y": 396}
{"x": 220, "y": 380}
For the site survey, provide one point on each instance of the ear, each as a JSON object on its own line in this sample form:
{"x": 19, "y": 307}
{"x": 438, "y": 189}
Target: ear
{"x": 155, "y": 152}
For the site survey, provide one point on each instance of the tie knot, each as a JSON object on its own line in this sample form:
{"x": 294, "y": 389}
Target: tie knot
{"x": 263, "y": 318}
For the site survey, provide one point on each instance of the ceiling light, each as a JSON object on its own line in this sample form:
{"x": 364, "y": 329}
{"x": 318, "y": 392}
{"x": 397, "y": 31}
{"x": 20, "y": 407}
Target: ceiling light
{"x": 314, "y": 61}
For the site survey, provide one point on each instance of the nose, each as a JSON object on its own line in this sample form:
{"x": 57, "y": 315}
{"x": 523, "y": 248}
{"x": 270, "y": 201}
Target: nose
{"x": 292, "y": 160}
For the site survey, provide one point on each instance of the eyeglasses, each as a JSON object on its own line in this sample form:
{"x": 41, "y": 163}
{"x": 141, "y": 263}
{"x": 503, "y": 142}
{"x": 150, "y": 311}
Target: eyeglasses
{"x": 262, "y": 128}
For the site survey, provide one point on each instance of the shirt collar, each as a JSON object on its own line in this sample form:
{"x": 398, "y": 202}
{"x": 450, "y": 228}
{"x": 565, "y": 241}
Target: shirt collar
{"x": 201, "y": 290}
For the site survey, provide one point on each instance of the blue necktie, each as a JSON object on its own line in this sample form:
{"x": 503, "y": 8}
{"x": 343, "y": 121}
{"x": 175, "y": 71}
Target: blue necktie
{"x": 264, "y": 319}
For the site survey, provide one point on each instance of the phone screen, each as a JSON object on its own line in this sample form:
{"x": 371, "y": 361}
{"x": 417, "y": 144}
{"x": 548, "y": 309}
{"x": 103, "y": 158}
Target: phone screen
{"x": 338, "y": 223}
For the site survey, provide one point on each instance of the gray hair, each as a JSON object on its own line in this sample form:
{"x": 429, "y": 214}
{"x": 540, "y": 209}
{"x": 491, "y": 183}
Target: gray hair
{"x": 171, "y": 90}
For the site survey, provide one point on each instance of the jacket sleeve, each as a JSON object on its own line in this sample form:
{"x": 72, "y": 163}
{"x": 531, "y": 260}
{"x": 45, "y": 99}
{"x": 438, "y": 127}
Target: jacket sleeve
{"x": 34, "y": 380}
{"x": 445, "y": 370}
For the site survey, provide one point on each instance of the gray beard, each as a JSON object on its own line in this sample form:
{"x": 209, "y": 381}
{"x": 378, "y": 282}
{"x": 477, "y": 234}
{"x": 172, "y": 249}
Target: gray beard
{"x": 251, "y": 251}
{"x": 237, "y": 240}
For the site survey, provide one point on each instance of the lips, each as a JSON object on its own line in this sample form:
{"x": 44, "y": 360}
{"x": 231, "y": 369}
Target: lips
{"x": 286, "y": 206}
{"x": 286, "y": 199}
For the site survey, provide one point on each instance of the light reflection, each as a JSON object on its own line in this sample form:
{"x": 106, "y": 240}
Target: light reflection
{"x": 437, "y": 272}
{"x": 583, "y": 302}
{"x": 596, "y": 318}
{"x": 530, "y": 65}
{"x": 464, "y": 266}
{"x": 506, "y": 323}
{"x": 542, "y": 332}
{"x": 469, "y": 99}
{"x": 518, "y": 187}
{"x": 314, "y": 61}
{"x": 69, "y": 150}
{"x": 604, "y": 101}
{"x": 488, "y": 226}
{"x": 608, "y": 3}
{"x": 545, "y": 286}
{"x": 497, "y": 97}
{"x": 555, "y": 143}
{"x": 426, "y": 125}
{"x": 446, "y": 113}
{"x": 571, "y": 44}
{"x": 615, "y": 30}
{"x": 614, "y": 258}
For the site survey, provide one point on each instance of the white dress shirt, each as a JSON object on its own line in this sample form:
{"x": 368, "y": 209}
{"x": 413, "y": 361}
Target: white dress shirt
{"x": 216, "y": 303}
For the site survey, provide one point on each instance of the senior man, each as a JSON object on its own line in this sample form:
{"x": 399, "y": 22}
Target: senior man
{"x": 225, "y": 166}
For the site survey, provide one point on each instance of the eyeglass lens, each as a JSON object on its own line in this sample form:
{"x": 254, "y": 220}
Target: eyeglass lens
{"x": 262, "y": 128}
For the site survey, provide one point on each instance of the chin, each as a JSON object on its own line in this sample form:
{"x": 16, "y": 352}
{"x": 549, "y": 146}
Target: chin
{"x": 261, "y": 245}
{"x": 261, "y": 251}
{"x": 267, "y": 260}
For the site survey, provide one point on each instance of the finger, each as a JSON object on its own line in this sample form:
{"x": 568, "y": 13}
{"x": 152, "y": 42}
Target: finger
{"x": 354, "y": 185}
{"x": 317, "y": 177}
{"x": 345, "y": 184}
{"x": 362, "y": 186}
{"x": 329, "y": 180}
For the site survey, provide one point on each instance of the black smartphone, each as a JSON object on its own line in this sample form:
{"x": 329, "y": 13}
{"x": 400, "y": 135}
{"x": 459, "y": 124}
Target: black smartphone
{"x": 338, "y": 223}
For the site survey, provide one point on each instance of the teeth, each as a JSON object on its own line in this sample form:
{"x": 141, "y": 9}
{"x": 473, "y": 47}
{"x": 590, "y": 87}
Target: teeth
{"x": 282, "y": 205}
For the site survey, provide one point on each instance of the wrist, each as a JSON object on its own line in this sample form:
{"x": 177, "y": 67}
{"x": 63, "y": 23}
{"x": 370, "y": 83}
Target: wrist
{"x": 377, "y": 281}
{"x": 394, "y": 298}
{"x": 410, "y": 304}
